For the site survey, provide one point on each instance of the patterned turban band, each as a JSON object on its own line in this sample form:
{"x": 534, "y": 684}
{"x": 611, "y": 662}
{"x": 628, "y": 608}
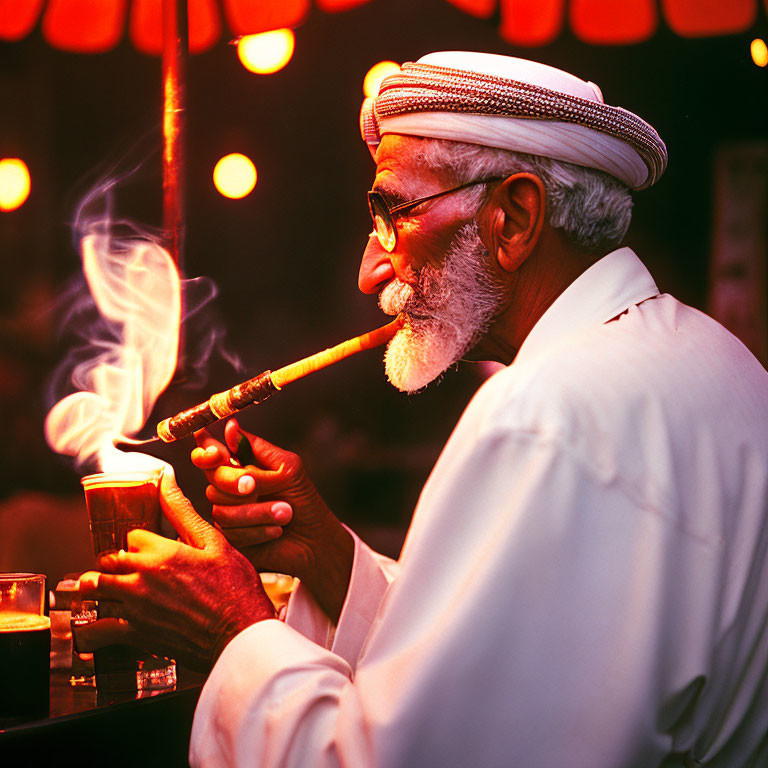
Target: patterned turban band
{"x": 542, "y": 111}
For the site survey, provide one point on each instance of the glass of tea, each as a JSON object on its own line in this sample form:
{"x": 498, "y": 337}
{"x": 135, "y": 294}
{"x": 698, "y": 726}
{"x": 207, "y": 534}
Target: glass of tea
{"x": 25, "y": 648}
{"x": 117, "y": 503}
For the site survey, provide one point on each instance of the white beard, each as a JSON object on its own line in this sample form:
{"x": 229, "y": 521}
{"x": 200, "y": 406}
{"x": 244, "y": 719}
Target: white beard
{"x": 446, "y": 313}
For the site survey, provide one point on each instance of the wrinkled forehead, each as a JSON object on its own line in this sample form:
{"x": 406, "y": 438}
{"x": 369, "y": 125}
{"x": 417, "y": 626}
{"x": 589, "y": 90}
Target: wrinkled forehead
{"x": 396, "y": 150}
{"x": 400, "y": 165}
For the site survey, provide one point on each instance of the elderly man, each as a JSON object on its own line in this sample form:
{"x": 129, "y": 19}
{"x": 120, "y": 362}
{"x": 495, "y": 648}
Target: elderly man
{"x": 585, "y": 580}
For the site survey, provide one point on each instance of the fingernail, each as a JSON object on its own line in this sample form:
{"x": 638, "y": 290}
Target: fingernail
{"x": 246, "y": 484}
{"x": 281, "y": 512}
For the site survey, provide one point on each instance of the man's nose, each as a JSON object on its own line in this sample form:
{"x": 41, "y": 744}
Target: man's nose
{"x": 375, "y": 268}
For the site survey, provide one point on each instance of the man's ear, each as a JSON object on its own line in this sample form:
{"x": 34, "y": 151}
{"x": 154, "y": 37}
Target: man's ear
{"x": 517, "y": 210}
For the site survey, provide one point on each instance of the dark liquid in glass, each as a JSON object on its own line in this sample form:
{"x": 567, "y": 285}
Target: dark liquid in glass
{"x": 25, "y": 661}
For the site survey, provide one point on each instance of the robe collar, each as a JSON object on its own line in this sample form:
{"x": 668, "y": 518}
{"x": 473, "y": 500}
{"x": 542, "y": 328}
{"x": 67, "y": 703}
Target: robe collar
{"x": 609, "y": 287}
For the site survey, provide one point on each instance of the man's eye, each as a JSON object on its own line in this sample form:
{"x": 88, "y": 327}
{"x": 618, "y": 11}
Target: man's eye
{"x": 392, "y": 199}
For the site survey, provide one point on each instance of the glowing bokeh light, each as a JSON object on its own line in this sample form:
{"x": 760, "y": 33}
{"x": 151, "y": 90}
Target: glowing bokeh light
{"x": 267, "y": 52}
{"x": 759, "y": 51}
{"x": 14, "y": 183}
{"x": 234, "y": 176}
{"x": 376, "y": 74}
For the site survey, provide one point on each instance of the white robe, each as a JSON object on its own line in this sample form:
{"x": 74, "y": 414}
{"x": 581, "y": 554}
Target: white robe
{"x": 584, "y": 583}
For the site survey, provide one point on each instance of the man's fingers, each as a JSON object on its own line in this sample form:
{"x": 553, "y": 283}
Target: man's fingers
{"x": 106, "y": 586}
{"x": 87, "y": 638}
{"x": 192, "y": 529}
{"x": 242, "y": 538}
{"x": 263, "y": 513}
{"x": 119, "y": 562}
{"x": 215, "y": 496}
{"x": 207, "y": 458}
{"x": 267, "y": 455}
{"x": 139, "y": 539}
{"x": 204, "y": 439}
{"x": 245, "y": 482}
{"x": 235, "y": 480}
{"x": 209, "y": 453}
{"x": 88, "y": 582}
{"x": 233, "y": 434}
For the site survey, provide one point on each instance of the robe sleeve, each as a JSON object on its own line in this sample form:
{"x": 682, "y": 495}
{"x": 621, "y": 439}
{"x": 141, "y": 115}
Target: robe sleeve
{"x": 524, "y": 628}
{"x": 371, "y": 575}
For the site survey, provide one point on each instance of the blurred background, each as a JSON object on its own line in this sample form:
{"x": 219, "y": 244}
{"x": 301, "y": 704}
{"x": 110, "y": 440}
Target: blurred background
{"x": 81, "y": 100}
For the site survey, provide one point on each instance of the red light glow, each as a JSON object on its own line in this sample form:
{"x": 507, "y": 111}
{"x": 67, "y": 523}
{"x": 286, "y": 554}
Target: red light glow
{"x": 482, "y": 9}
{"x": 146, "y": 25}
{"x": 17, "y": 20}
{"x": 606, "y": 22}
{"x": 83, "y": 26}
{"x": 699, "y": 18}
{"x": 531, "y": 22}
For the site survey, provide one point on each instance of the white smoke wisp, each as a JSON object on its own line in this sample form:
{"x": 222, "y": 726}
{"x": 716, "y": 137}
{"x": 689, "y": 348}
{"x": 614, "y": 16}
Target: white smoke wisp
{"x": 126, "y": 364}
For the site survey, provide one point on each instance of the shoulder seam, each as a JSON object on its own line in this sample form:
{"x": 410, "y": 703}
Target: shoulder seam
{"x": 630, "y": 489}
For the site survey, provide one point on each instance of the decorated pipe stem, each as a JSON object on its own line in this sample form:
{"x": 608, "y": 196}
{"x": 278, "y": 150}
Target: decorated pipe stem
{"x": 218, "y": 406}
{"x": 259, "y": 388}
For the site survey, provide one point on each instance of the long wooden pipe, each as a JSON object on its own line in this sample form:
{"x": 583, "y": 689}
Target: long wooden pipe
{"x": 259, "y": 388}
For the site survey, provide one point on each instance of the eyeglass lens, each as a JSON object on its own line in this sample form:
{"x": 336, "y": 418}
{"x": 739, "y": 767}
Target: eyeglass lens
{"x": 383, "y": 224}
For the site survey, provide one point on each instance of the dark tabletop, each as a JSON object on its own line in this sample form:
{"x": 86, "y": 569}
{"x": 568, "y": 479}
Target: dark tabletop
{"x": 86, "y": 727}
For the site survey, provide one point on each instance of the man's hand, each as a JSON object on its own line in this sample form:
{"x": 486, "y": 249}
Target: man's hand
{"x": 184, "y": 599}
{"x": 273, "y": 513}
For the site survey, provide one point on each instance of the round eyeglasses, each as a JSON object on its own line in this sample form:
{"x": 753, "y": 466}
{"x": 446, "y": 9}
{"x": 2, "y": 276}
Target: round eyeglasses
{"x": 383, "y": 214}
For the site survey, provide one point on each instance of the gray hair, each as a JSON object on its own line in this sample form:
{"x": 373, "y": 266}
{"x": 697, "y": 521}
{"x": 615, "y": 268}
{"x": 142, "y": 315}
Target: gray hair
{"x": 591, "y": 207}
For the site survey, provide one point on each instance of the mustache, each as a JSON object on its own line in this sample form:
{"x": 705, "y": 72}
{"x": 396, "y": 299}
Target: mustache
{"x": 426, "y": 296}
{"x": 396, "y": 296}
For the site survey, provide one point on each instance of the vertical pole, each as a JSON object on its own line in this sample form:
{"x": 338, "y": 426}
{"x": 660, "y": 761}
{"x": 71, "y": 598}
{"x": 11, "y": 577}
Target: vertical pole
{"x": 174, "y": 63}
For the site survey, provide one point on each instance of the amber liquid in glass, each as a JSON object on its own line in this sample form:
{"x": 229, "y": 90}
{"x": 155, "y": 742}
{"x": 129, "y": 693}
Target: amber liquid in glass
{"x": 117, "y": 503}
{"x": 113, "y": 510}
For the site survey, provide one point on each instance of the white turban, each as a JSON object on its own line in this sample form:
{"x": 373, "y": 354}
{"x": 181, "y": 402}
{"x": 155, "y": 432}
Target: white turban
{"x": 510, "y": 103}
